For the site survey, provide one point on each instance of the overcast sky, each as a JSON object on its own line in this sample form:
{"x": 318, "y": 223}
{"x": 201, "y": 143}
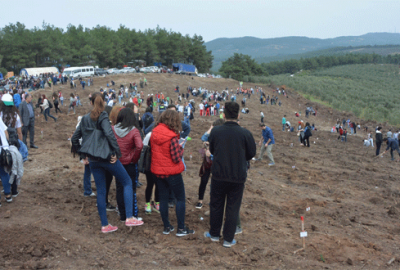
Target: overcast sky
{"x": 216, "y": 18}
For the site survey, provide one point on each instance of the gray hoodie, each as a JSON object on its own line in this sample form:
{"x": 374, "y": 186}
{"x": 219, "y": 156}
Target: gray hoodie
{"x": 122, "y": 132}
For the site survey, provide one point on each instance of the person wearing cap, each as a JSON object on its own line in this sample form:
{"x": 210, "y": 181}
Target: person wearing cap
{"x": 266, "y": 143}
{"x": 28, "y": 120}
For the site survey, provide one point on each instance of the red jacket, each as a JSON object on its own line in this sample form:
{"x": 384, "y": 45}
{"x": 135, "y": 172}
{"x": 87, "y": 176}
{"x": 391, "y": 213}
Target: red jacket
{"x": 161, "y": 161}
{"x": 131, "y": 145}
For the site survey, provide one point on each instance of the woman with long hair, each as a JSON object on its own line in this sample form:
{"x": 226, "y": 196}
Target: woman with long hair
{"x": 98, "y": 119}
{"x": 130, "y": 143}
{"x": 167, "y": 166}
{"x": 46, "y": 108}
{"x": 56, "y": 103}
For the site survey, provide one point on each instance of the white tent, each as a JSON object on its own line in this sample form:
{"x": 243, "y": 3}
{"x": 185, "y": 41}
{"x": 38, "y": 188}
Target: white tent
{"x": 37, "y": 71}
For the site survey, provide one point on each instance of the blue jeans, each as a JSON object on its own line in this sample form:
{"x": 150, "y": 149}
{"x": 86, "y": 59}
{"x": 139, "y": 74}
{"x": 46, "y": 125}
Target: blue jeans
{"x": 283, "y": 127}
{"x": 133, "y": 173}
{"x": 98, "y": 169}
{"x": 119, "y": 99}
{"x": 175, "y": 183}
{"x": 87, "y": 187}
{"x": 62, "y": 102}
{"x": 47, "y": 113}
{"x": 5, "y": 180}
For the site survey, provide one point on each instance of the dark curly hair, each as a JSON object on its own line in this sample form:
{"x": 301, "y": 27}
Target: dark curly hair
{"x": 10, "y": 114}
{"x": 171, "y": 119}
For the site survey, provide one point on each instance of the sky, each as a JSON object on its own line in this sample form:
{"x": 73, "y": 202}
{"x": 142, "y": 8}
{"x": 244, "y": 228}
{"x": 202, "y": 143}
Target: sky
{"x": 216, "y": 18}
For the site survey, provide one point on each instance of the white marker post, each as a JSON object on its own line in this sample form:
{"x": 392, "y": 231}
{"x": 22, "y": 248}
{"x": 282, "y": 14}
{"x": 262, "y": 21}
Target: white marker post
{"x": 303, "y": 234}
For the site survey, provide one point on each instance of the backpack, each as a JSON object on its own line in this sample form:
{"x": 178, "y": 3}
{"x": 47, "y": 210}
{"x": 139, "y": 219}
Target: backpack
{"x": 308, "y": 133}
{"x": 144, "y": 162}
{"x": 13, "y": 136}
{"x": 6, "y": 158}
{"x": 50, "y": 105}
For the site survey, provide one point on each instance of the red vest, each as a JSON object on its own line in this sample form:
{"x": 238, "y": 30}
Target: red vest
{"x": 161, "y": 161}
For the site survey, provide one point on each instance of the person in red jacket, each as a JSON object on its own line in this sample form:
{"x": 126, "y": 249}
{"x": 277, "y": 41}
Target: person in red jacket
{"x": 167, "y": 166}
{"x": 130, "y": 142}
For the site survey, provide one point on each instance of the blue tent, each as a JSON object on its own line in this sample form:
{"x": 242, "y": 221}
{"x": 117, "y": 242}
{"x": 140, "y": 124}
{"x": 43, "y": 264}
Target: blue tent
{"x": 1, "y": 76}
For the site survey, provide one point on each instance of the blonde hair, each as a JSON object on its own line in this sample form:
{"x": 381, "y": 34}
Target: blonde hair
{"x": 98, "y": 106}
{"x": 114, "y": 114}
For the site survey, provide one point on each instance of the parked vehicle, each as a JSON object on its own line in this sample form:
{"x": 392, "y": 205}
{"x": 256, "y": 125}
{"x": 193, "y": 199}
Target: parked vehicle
{"x": 100, "y": 72}
{"x": 180, "y": 68}
{"x": 127, "y": 70}
{"x": 76, "y": 72}
{"x": 113, "y": 71}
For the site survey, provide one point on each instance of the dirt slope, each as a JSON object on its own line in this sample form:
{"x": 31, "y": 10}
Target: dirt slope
{"x": 353, "y": 197}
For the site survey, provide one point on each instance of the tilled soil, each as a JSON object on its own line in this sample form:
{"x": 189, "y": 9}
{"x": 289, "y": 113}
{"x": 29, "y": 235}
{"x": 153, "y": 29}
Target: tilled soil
{"x": 353, "y": 197}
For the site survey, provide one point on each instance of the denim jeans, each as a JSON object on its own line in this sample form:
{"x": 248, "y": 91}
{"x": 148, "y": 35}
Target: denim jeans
{"x": 47, "y": 113}
{"x": 98, "y": 169}
{"x": 87, "y": 187}
{"x": 5, "y": 180}
{"x": 175, "y": 183}
{"x": 132, "y": 171}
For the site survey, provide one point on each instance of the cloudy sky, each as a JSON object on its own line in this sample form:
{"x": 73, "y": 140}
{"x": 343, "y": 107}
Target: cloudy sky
{"x": 216, "y": 18}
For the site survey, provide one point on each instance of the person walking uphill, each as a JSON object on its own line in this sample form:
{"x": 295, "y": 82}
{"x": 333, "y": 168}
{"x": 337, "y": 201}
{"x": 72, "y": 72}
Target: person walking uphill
{"x": 283, "y": 122}
{"x": 167, "y": 166}
{"x": 266, "y": 143}
{"x": 28, "y": 120}
{"x": 378, "y": 140}
{"x": 232, "y": 147}
{"x": 100, "y": 148}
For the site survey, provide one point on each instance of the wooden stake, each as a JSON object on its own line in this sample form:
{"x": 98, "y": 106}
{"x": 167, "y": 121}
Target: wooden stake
{"x": 304, "y": 239}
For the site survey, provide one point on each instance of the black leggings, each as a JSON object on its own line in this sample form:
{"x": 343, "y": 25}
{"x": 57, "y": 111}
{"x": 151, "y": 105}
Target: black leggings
{"x": 203, "y": 184}
{"x": 57, "y": 109}
{"x": 151, "y": 181}
{"x": 306, "y": 140}
{"x": 109, "y": 178}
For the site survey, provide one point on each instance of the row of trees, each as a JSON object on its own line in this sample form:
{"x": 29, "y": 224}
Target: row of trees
{"x": 52, "y": 46}
{"x": 240, "y": 65}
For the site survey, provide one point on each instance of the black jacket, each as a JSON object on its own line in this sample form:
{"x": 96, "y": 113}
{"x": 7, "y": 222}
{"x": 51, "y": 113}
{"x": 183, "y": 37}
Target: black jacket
{"x": 379, "y": 137}
{"x": 86, "y": 127}
{"x": 232, "y": 146}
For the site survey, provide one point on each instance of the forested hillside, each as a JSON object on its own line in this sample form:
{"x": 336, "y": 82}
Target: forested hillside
{"x": 370, "y": 91}
{"x": 52, "y": 46}
{"x": 262, "y": 49}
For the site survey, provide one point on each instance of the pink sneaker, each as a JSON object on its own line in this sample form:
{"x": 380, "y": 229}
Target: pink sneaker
{"x": 133, "y": 222}
{"x": 109, "y": 228}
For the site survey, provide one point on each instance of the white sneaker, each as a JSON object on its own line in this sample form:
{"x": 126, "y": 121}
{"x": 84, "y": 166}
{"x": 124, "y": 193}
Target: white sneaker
{"x": 91, "y": 195}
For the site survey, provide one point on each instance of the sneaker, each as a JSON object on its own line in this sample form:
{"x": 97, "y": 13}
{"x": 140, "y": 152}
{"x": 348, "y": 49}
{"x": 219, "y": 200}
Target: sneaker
{"x": 184, "y": 231}
{"x": 199, "y": 205}
{"x": 213, "y": 238}
{"x": 271, "y": 164}
{"x": 15, "y": 195}
{"x": 133, "y": 222}
{"x": 139, "y": 184}
{"x": 229, "y": 244}
{"x": 91, "y": 195}
{"x": 109, "y": 228}
{"x": 169, "y": 229}
{"x": 156, "y": 207}
{"x": 147, "y": 208}
{"x": 9, "y": 199}
{"x": 109, "y": 207}
{"x": 238, "y": 230}
{"x": 139, "y": 218}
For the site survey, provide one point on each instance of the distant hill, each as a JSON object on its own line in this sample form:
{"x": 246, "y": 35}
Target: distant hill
{"x": 223, "y": 48}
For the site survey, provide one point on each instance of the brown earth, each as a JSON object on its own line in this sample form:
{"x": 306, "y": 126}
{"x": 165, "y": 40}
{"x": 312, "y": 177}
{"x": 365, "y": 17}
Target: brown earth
{"x": 353, "y": 197}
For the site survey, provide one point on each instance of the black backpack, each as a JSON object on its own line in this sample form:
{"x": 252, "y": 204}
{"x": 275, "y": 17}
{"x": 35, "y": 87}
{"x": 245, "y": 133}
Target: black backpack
{"x": 50, "y": 105}
{"x": 144, "y": 162}
{"x": 13, "y": 136}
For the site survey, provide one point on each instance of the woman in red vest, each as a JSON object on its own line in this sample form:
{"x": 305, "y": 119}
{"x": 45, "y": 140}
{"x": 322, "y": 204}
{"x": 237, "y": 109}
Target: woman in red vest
{"x": 167, "y": 166}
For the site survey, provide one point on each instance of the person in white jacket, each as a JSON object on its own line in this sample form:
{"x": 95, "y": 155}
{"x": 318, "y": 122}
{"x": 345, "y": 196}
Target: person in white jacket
{"x": 46, "y": 108}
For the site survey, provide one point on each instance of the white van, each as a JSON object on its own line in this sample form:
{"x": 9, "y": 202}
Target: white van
{"x": 76, "y": 72}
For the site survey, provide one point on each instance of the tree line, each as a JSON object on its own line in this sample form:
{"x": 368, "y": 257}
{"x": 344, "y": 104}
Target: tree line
{"x": 238, "y": 66}
{"x": 76, "y": 46}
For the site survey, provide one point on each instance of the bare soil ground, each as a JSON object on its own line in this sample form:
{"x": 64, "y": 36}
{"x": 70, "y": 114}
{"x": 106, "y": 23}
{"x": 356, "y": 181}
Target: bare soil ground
{"x": 353, "y": 197}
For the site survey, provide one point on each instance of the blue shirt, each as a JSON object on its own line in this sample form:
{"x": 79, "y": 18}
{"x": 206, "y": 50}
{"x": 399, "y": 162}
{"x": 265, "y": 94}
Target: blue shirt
{"x": 267, "y": 134}
{"x": 392, "y": 143}
{"x": 30, "y": 109}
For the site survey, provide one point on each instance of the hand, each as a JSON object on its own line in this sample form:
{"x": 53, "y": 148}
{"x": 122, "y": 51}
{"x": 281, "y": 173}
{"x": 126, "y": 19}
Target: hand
{"x": 266, "y": 145}
{"x": 86, "y": 161}
{"x": 113, "y": 159}
{"x": 208, "y": 153}
{"x": 259, "y": 143}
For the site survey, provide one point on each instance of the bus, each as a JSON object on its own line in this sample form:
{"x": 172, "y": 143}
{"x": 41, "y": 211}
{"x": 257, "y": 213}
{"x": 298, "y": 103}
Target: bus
{"x": 77, "y": 72}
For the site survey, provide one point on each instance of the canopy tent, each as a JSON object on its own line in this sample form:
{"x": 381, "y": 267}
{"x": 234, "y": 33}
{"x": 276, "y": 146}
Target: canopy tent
{"x": 1, "y": 76}
{"x": 37, "y": 71}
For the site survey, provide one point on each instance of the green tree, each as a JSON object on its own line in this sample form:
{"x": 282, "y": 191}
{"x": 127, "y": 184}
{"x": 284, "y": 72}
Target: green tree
{"x": 240, "y": 65}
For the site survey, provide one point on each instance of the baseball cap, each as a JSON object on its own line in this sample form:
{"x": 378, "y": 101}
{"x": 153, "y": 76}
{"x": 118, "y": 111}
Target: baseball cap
{"x": 7, "y": 100}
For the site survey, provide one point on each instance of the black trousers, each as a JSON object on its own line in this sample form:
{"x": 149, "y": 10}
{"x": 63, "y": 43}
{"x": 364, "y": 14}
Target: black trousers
{"x": 306, "y": 141}
{"x": 109, "y": 178}
{"x": 151, "y": 182}
{"x": 203, "y": 184}
{"x": 378, "y": 148}
{"x": 31, "y": 129}
{"x": 232, "y": 193}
